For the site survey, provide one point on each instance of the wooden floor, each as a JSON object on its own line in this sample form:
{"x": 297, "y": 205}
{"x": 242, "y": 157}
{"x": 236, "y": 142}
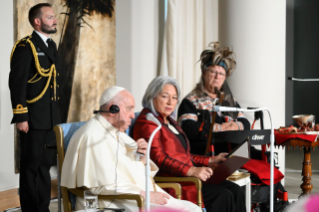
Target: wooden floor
{"x": 293, "y": 181}
{"x": 10, "y": 198}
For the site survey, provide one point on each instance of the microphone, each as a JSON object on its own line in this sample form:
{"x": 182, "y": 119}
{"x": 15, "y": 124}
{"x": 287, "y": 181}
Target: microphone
{"x": 218, "y": 108}
{"x": 113, "y": 109}
{"x": 151, "y": 118}
{"x": 303, "y": 80}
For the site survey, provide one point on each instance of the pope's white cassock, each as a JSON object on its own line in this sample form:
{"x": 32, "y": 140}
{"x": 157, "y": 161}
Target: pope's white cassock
{"x": 102, "y": 159}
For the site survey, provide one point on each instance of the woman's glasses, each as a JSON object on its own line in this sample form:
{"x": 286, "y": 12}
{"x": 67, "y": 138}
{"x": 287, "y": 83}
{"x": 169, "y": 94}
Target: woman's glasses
{"x": 216, "y": 73}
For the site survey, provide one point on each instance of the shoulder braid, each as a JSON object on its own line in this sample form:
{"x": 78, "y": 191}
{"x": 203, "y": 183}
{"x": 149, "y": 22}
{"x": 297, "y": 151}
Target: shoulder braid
{"x": 40, "y": 71}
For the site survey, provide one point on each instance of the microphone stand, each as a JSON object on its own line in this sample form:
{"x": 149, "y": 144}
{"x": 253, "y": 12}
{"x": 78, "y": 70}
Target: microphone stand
{"x": 147, "y": 166}
{"x": 303, "y": 80}
{"x": 272, "y": 146}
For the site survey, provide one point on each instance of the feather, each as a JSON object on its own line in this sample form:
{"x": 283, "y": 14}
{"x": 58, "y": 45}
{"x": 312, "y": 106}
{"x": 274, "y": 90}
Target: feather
{"x": 89, "y": 7}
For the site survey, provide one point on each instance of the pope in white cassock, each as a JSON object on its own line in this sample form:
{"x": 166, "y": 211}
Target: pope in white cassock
{"x": 101, "y": 157}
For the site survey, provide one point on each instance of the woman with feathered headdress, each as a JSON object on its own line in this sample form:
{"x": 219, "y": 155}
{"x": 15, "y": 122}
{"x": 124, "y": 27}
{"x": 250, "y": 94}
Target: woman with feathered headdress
{"x": 195, "y": 110}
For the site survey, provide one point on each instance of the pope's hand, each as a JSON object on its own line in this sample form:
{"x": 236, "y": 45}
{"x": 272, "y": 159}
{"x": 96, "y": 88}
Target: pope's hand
{"x": 142, "y": 148}
{"x": 141, "y": 145}
{"x": 214, "y": 161}
{"x": 23, "y": 126}
{"x": 203, "y": 173}
{"x": 157, "y": 197}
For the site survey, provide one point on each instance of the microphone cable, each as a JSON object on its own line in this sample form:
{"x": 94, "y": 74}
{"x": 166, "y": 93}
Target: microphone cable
{"x": 117, "y": 155}
{"x": 117, "y": 159}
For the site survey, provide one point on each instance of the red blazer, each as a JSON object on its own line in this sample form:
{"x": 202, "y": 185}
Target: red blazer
{"x": 168, "y": 152}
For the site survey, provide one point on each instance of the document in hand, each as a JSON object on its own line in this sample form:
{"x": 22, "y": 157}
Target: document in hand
{"x": 235, "y": 159}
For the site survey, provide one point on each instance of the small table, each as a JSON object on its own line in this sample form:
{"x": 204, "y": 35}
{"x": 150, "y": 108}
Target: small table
{"x": 307, "y": 146}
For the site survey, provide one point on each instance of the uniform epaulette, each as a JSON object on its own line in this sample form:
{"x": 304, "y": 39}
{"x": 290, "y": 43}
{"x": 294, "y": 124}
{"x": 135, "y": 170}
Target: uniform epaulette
{"x": 23, "y": 42}
{"x": 26, "y": 38}
{"x": 20, "y": 43}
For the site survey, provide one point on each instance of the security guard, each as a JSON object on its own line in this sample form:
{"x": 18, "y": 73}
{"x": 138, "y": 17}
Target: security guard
{"x": 34, "y": 87}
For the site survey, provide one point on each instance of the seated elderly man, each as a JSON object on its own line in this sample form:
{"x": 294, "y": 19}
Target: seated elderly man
{"x": 101, "y": 157}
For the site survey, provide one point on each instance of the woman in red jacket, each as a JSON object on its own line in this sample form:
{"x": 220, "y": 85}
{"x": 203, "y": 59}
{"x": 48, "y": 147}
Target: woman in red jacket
{"x": 171, "y": 149}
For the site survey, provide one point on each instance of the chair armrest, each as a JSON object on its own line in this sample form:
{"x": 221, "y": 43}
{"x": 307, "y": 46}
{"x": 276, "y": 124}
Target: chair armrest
{"x": 176, "y": 186}
{"x": 137, "y": 197}
{"x": 195, "y": 180}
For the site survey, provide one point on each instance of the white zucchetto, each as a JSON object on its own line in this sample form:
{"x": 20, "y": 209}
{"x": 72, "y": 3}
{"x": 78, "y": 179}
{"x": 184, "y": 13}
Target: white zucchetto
{"x": 109, "y": 93}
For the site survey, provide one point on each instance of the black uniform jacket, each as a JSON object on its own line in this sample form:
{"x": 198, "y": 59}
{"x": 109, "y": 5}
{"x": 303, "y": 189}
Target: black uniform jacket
{"x": 44, "y": 113}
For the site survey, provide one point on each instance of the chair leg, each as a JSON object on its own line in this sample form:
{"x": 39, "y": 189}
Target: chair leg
{"x": 59, "y": 188}
{"x": 199, "y": 198}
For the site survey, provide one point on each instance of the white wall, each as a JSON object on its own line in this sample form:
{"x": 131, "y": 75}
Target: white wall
{"x": 137, "y": 45}
{"x": 258, "y": 39}
{"x": 139, "y": 30}
{"x": 212, "y": 19}
{"x": 8, "y": 179}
